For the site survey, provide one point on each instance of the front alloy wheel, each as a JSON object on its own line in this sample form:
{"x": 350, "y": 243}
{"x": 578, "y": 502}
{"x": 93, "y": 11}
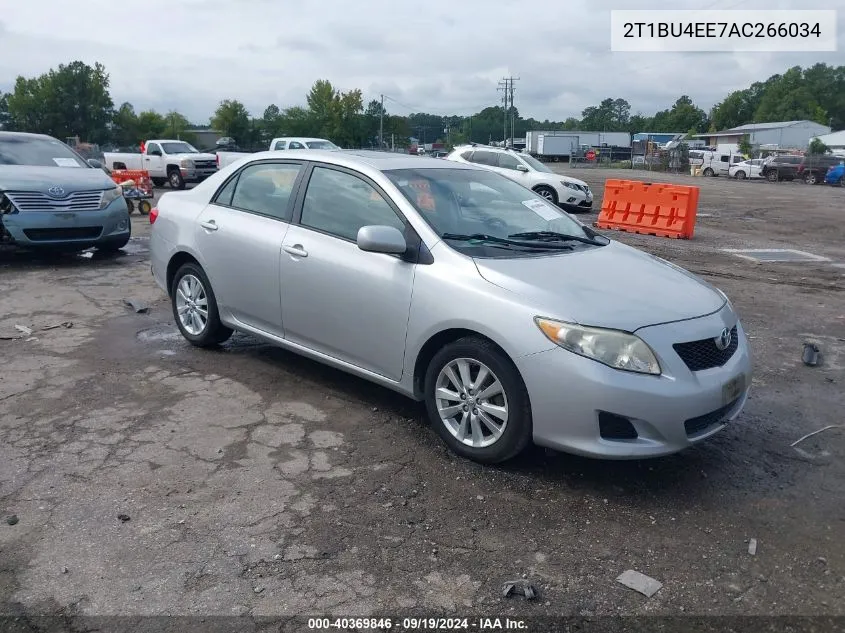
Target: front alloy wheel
{"x": 471, "y": 402}
{"x": 477, "y": 401}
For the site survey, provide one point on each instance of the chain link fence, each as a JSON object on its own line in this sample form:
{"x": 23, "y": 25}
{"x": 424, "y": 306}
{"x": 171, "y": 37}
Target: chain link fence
{"x": 652, "y": 159}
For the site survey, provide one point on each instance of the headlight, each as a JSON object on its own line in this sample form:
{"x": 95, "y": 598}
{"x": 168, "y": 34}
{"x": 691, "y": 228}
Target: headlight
{"x": 110, "y": 195}
{"x": 613, "y": 348}
{"x": 570, "y": 185}
{"x": 186, "y": 162}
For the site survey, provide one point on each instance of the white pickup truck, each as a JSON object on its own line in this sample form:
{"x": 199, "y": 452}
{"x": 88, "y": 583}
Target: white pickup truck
{"x": 278, "y": 144}
{"x": 176, "y": 162}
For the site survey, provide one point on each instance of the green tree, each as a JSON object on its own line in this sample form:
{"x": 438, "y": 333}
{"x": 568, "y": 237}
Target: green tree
{"x": 818, "y": 147}
{"x": 271, "y": 122}
{"x": 72, "y": 100}
{"x": 151, "y": 124}
{"x": 5, "y": 117}
{"x": 297, "y": 121}
{"x": 177, "y": 124}
{"x": 788, "y": 98}
{"x": 744, "y": 145}
{"x": 231, "y": 118}
{"x": 125, "y": 129}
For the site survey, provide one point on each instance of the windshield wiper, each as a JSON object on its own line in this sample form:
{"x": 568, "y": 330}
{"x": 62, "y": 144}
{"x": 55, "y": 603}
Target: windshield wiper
{"x": 483, "y": 237}
{"x": 552, "y": 236}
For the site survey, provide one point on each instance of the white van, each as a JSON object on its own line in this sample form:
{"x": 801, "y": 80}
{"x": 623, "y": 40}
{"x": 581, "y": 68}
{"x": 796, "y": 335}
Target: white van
{"x": 714, "y": 163}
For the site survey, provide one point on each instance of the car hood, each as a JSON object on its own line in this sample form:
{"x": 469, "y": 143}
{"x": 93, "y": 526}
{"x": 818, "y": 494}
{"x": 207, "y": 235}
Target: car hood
{"x": 29, "y": 178}
{"x": 613, "y": 286}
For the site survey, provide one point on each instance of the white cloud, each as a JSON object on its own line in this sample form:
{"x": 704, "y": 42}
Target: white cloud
{"x": 440, "y": 56}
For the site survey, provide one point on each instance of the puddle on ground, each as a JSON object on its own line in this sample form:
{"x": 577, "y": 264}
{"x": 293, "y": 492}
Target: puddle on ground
{"x": 168, "y": 336}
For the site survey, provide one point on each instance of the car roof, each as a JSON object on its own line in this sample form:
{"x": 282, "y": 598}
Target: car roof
{"x": 380, "y": 161}
{"x": 488, "y": 148}
{"x": 25, "y": 135}
{"x": 299, "y": 138}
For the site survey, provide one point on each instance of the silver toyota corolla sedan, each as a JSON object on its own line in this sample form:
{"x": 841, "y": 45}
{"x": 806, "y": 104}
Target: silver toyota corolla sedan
{"x": 455, "y": 286}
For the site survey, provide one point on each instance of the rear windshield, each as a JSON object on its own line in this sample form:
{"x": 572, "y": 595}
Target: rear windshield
{"x": 38, "y": 152}
{"x": 321, "y": 145}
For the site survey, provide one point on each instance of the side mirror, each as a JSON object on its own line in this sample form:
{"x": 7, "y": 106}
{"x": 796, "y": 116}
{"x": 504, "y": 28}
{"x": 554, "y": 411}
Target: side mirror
{"x": 382, "y": 239}
{"x": 522, "y": 168}
{"x": 95, "y": 163}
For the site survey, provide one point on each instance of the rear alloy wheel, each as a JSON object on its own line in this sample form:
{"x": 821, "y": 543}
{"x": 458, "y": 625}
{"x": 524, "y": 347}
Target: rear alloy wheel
{"x": 547, "y": 192}
{"x": 477, "y": 401}
{"x": 740, "y": 175}
{"x": 708, "y": 172}
{"x": 772, "y": 176}
{"x": 195, "y": 308}
{"x": 810, "y": 178}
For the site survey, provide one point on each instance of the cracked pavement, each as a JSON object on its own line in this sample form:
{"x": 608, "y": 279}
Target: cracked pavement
{"x": 258, "y": 482}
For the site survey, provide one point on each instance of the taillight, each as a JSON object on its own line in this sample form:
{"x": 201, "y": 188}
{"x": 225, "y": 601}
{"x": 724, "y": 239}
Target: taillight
{"x": 153, "y": 215}
{"x": 217, "y": 158}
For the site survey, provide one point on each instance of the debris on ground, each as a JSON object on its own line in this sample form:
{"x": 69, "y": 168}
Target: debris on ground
{"x": 24, "y": 329}
{"x": 811, "y": 354}
{"x": 137, "y": 305}
{"x": 752, "y": 547}
{"x": 123, "y": 517}
{"x": 65, "y": 570}
{"x": 64, "y": 324}
{"x": 640, "y": 582}
{"x": 258, "y": 589}
{"x": 520, "y": 588}
{"x": 12, "y": 519}
{"x": 809, "y": 435}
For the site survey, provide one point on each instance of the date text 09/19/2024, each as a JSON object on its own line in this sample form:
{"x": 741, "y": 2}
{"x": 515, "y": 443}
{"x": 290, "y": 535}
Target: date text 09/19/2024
{"x": 416, "y": 624}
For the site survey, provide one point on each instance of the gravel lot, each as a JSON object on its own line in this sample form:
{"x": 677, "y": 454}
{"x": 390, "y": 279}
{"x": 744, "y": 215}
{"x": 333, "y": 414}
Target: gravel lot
{"x": 257, "y": 482}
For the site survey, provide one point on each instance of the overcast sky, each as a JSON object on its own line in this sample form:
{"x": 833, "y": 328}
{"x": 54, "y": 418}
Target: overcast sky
{"x": 438, "y": 56}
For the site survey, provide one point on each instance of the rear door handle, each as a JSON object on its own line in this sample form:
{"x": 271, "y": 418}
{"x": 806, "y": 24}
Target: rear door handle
{"x": 211, "y": 225}
{"x": 296, "y": 250}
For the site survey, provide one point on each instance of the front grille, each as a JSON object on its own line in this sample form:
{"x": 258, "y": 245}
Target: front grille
{"x": 695, "y": 426}
{"x": 73, "y": 233}
{"x": 205, "y": 164}
{"x": 703, "y": 354}
{"x": 37, "y": 201}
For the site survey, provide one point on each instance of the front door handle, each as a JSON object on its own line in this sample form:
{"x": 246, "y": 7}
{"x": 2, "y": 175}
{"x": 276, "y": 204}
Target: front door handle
{"x": 296, "y": 250}
{"x": 211, "y": 225}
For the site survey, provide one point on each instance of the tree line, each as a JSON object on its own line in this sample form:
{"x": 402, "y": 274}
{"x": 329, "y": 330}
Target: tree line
{"x": 74, "y": 100}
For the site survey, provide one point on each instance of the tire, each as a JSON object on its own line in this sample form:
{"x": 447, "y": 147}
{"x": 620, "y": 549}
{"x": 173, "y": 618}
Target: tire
{"x": 113, "y": 246}
{"x": 174, "y": 177}
{"x": 740, "y": 175}
{"x": 810, "y": 178}
{"x": 478, "y": 354}
{"x": 159, "y": 182}
{"x": 212, "y": 332}
{"x": 547, "y": 192}
{"x": 144, "y": 207}
{"x": 709, "y": 172}
{"x": 130, "y": 206}
{"x": 772, "y": 176}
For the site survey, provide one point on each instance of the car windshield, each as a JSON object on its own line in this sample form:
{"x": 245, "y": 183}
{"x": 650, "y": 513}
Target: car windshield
{"x": 535, "y": 164}
{"x": 40, "y": 152}
{"x": 476, "y": 202}
{"x": 321, "y": 145}
{"x": 179, "y": 148}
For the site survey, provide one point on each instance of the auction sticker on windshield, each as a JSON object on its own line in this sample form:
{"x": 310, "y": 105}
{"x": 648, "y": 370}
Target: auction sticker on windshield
{"x": 543, "y": 209}
{"x": 65, "y": 162}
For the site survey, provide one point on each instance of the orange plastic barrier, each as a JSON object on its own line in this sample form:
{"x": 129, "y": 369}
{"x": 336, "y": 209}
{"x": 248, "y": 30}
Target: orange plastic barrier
{"x": 660, "y": 209}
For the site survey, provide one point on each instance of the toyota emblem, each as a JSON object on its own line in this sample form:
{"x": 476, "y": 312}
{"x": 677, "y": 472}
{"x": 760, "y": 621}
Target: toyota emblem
{"x": 723, "y": 341}
{"x": 56, "y": 191}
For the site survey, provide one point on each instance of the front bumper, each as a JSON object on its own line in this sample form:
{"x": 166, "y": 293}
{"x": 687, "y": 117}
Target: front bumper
{"x": 76, "y": 229}
{"x": 196, "y": 174}
{"x": 577, "y": 207}
{"x": 568, "y": 392}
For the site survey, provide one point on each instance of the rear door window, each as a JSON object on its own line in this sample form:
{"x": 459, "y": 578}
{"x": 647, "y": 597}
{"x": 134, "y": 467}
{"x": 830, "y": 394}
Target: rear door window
{"x": 485, "y": 158}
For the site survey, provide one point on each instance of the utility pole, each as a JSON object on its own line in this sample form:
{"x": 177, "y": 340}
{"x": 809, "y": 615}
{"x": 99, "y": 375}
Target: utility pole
{"x": 504, "y": 86}
{"x": 381, "y": 125}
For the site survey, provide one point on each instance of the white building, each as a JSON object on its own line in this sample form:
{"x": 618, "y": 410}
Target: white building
{"x": 781, "y": 134}
{"x": 836, "y": 140}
